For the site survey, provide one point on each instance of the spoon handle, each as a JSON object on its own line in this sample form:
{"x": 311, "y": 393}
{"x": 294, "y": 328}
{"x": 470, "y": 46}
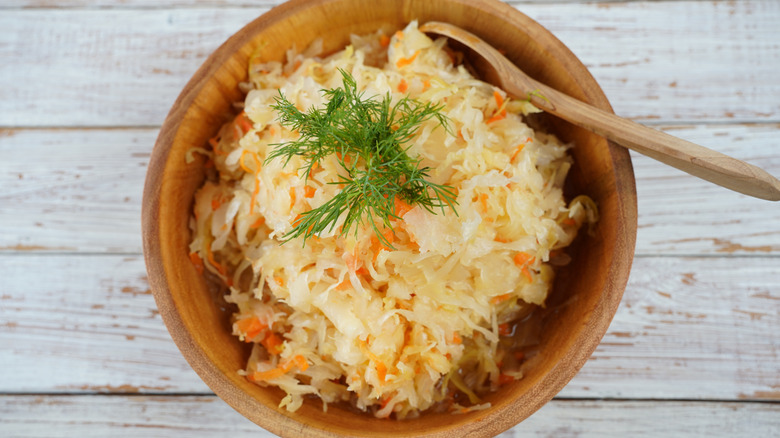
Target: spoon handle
{"x": 689, "y": 157}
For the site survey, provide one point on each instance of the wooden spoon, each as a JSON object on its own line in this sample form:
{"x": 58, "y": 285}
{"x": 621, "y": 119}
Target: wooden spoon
{"x": 689, "y": 157}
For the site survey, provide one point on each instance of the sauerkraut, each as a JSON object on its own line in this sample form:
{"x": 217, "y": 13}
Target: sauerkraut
{"x": 391, "y": 329}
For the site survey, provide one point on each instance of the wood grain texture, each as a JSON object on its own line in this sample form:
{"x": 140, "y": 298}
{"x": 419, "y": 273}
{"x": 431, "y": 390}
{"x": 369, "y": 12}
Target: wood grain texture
{"x": 82, "y": 193}
{"x": 687, "y": 328}
{"x": 204, "y": 416}
{"x": 697, "y": 160}
{"x": 196, "y": 324}
{"x": 125, "y": 67}
{"x": 84, "y": 351}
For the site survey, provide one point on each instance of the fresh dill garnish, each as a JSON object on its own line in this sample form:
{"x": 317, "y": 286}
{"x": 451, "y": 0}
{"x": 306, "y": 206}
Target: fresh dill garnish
{"x": 368, "y": 136}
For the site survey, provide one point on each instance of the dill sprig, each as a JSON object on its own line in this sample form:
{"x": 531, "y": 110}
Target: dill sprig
{"x": 368, "y": 136}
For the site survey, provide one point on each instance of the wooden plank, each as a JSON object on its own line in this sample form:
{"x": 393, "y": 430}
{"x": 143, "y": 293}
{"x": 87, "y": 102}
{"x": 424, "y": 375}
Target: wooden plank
{"x": 85, "y": 324}
{"x": 145, "y": 4}
{"x": 82, "y": 193}
{"x": 125, "y": 67}
{"x": 688, "y": 328}
{"x": 680, "y": 214}
{"x": 207, "y": 416}
{"x": 73, "y": 190}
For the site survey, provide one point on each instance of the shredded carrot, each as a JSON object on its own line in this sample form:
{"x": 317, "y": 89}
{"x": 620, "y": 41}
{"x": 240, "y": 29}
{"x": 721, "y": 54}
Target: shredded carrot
{"x": 569, "y": 221}
{"x": 258, "y": 223}
{"x": 268, "y": 375}
{"x": 403, "y": 86}
{"x": 503, "y": 379}
{"x": 460, "y": 134}
{"x": 504, "y": 329}
{"x": 381, "y": 371}
{"x": 272, "y": 343}
{"x": 501, "y": 111}
{"x": 384, "y": 402}
{"x": 352, "y": 260}
{"x": 456, "y": 339}
{"x": 399, "y": 35}
{"x": 517, "y": 152}
{"x": 292, "y": 196}
{"x": 216, "y": 202}
{"x": 498, "y": 98}
{"x": 214, "y": 142}
{"x": 401, "y": 207}
{"x": 499, "y": 299}
{"x": 210, "y": 257}
{"x": 279, "y": 281}
{"x": 197, "y": 261}
{"x": 426, "y": 85}
{"x": 255, "y": 192}
{"x": 251, "y": 327}
{"x": 377, "y": 245}
{"x": 242, "y": 163}
{"x": 501, "y": 240}
{"x": 483, "y": 197}
{"x": 403, "y": 62}
{"x": 243, "y": 123}
{"x": 498, "y": 116}
{"x": 384, "y": 40}
{"x": 300, "y": 362}
{"x": 523, "y": 259}
{"x": 308, "y": 191}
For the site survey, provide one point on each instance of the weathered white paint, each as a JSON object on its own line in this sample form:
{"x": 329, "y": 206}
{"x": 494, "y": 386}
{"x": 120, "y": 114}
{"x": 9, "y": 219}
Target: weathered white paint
{"x": 82, "y": 193}
{"x": 657, "y": 61}
{"x": 688, "y": 328}
{"x": 207, "y": 416}
{"x": 85, "y": 85}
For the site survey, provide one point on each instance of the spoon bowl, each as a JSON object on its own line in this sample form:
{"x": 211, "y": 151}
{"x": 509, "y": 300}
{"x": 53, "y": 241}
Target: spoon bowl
{"x": 689, "y": 157}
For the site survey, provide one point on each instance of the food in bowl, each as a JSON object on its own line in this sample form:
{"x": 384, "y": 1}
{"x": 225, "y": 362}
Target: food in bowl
{"x": 421, "y": 308}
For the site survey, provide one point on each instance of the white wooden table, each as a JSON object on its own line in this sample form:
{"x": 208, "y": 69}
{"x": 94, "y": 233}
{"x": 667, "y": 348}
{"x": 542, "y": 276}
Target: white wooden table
{"x": 84, "y": 85}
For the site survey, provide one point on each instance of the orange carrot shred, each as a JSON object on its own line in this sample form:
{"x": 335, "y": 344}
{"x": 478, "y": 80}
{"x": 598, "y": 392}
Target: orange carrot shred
{"x": 403, "y": 86}
{"x": 197, "y": 261}
{"x": 403, "y": 62}
{"x": 499, "y": 299}
{"x": 399, "y": 35}
{"x": 308, "y": 192}
{"x": 483, "y": 200}
{"x": 503, "y": 379}
{"x": 517, "y": 152}
{"x": 498, "y": 98}
{"x": 255, "y": 192}
{"x": 401, "y": 207}
{"x": 268, "y": 375}
{"x": 300, "y": 362}
{"x": 243, "y": 123}
{"x": 456, "y": 339}
{"x": 384, "y": 40}
{"x": 258, "y": 223}
{"x": 504, "y": 329}
{"x": 219, "y": 267}
{"x": 381, "y": 371}
{"x": 272, "y": 343}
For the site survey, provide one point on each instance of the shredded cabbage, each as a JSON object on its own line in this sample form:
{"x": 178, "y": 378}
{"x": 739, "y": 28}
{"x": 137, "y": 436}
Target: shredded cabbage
{"x": 390, "y": 330}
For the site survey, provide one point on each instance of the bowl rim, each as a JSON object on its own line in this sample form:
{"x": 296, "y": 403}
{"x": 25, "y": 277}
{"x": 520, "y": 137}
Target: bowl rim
{"x": 557, "y": 377}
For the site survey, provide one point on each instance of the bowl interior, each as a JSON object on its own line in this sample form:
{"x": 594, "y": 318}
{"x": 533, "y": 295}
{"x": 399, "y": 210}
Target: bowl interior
{"x": 591, "y": 286}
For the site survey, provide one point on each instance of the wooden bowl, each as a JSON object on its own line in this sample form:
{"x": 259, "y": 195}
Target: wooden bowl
{"x": 592, "y": 284}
